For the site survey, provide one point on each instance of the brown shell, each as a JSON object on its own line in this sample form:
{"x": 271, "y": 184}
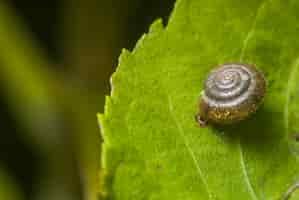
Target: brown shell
{"x": 232, "y": 92}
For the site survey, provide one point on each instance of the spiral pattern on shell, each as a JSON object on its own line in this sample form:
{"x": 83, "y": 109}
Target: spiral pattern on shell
{"x": 231, "y": 93}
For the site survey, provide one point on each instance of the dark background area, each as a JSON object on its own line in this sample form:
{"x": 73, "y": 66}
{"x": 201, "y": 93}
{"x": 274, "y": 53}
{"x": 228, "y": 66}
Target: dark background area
{"x": 45, "y": 20}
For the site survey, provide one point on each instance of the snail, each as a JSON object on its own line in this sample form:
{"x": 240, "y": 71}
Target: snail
{"x": 232, "y": 92}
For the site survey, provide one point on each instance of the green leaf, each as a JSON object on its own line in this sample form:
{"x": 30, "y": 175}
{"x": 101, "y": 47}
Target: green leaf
{"x": 153, "y": 149}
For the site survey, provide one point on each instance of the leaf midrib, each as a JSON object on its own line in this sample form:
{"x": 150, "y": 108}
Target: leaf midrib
{"x": 243, "y": 49}
{"x": 187, "y": 145}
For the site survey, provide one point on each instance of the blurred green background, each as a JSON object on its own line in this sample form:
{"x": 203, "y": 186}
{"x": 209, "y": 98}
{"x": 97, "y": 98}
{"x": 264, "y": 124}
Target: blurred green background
{"x": 56, "y": 57}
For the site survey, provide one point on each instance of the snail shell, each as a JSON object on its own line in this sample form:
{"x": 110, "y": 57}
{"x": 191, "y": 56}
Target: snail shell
{"x": 231, "y": 93}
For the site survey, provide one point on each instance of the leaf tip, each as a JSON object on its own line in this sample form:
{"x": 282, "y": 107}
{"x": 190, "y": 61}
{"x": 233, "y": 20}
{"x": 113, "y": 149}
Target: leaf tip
{"x": 157, "y": 26}
{"x": 123, "y": 56}
{"x": 100, "y": 117}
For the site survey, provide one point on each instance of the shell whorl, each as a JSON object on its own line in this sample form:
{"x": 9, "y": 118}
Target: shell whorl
{"x": 231, "y": 93}
{"x": 229, "y": 85}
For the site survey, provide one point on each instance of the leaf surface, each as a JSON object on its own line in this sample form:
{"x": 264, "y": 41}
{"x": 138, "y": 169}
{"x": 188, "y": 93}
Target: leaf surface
{"x": 153, "y": 149}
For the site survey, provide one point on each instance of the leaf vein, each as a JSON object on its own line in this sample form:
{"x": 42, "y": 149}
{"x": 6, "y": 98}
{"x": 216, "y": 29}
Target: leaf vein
{"x": 245, "y": 173}
{"x": 243, "y": 49}
{"x": 187, "y": 145}
{"x": 251, "y": 31}
{"x": 292, "y": 78}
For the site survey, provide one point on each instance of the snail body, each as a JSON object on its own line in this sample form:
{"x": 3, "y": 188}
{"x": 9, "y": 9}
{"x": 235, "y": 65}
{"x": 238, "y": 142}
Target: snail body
{"x": 231, "y": 93}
